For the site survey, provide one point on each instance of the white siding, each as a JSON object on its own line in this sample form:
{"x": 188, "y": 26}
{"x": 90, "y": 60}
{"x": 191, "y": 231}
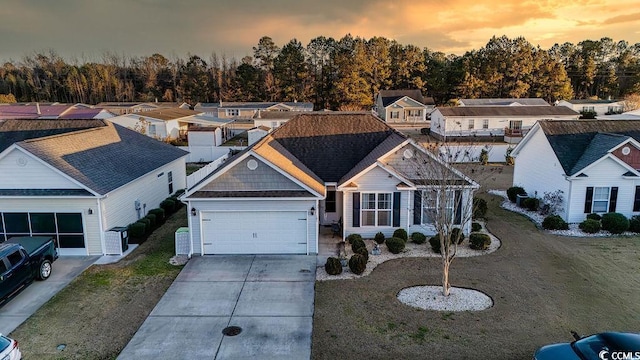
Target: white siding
{"x": 33, "y": 175}
{"x": 68, "y": 205}
{"x": 607, "y": 173}
{"x": 429, "y": 230}
{"x": 537, "y": 169}
{"x": 151, "y": 189}
{"x": 205, "y": 138}
{"x": 132, "y": 120}
{"x": 253, "y": 205}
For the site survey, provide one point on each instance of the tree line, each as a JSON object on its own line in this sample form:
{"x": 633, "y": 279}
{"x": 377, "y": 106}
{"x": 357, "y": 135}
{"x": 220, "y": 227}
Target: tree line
{"x": 343, "y": 74}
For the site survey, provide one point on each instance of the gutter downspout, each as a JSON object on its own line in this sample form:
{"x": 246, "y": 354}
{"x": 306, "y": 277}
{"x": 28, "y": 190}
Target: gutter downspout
{"x": 100, "y": 224}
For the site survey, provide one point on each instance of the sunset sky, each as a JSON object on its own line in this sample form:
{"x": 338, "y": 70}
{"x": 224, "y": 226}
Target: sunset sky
{"x": 86, "y": 29}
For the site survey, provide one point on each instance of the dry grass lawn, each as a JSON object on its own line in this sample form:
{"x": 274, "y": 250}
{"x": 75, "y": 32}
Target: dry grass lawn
{"x": 100, "y": 311}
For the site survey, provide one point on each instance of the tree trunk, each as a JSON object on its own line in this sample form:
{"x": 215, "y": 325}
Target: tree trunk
{"x": 445, "y": 277}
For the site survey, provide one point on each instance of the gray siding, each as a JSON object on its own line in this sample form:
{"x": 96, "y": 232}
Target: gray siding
{"x": 241, "y": 178}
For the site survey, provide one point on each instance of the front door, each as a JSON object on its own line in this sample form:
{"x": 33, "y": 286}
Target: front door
{"x": 331, "y": 208}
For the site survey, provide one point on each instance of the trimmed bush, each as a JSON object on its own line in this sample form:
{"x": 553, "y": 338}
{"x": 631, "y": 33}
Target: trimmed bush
{"x": 401, "y": 233}
{"x": 395, "y": 245}
{"x": 590, "y": 226}
{"x": 137, "y": 230}
{"x": 168, "y": 205}
{"x": 594, "y": 216}
{"x": 358, "y": 243}
{"x": 484, "y": 157}
{"x": 425, "y": 131}
{"x": 475, "y": 227}
{"x": 479, "y": 208}
{"x": 418, "y": 238}
{"x": 352, "y": 237}
{"x": 357, "y": 264}
{"x": 554, "y": 222}
{"x": 634, "y": 224}
{"x": 615, "y": 223}
{"x": 147, "y": 224}
{"x": 479, "y": 241}
{"x": 434, "y": 241}
{"x": 364, "y": 252}
{"x": 514, "y": 191}
{"x": 152, "y": 220}
{"x": 379, "y": 238}
{"x": 457, "y": 235}
{"x": 160, "y": 215}
{"x": 531, "y": 204}
{"x": 333, "y": 266}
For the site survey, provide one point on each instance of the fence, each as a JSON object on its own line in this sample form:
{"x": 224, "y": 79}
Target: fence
{"x": 205, "y": 171}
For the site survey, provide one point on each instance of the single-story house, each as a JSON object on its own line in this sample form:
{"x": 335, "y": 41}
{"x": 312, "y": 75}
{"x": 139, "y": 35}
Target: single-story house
{"x": 272, "y": 119}
{"x": 511, "y": 122}
{"x": 315, "y": 170}
{"x": 76, "y": 179}
{"x": 122, "y": 108}
{"x": 595, "y": 163}
{"x": 52, "y": 111}
{"x": 600, "y": 107}
{"x": 247, "y": 110}
{"x": 257, "y": 133}
{"x": 161, "y": 124}
{"x": 503, "y": 102}
{"x": 398, "y": 106}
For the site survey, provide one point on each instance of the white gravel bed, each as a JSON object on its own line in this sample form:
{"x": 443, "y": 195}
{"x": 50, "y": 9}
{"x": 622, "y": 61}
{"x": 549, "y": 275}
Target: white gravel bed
{"x": 431, "y": 298}
{"x": 410, "y": 250}
{"x": 537, "y": 218}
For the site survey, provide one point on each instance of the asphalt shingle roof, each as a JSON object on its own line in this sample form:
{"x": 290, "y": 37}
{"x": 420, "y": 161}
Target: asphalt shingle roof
{"x": 44, "y": 192}
{"x": 505, "y": 102}
{"x": 507, "y": 111}
{"x": 167, "y": 114}
{"x": 13, "y": 131}
{"x": 391, "y": 96}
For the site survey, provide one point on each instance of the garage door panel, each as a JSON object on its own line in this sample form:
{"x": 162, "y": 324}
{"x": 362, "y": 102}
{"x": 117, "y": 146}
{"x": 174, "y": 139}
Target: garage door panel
{"x": 255, "y": 232}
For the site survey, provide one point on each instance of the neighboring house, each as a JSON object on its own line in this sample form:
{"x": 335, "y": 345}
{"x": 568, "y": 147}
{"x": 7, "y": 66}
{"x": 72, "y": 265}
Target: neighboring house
{"x": 161, "y": 124}
{"x": 248, "y": 110}
{"x": 398, "y": 106}
{"x": 600, "y": 107}
{"x": 123, "y": 108}
{"x": 76, "y": 179}
{"x": 511, "y": 122}
{"x": 629, "y": 115}
{"x": 503, "y": 102}
{"x": 52, "y": 111}
{"x": 314, "y": 170}
{"x": 594, "y": 163}
{"x": 272, "y": 119}
{"x": 257, "y": 133}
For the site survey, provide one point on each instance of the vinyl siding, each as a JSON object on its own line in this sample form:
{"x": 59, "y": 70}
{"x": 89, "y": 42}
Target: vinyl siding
{"x": 130, "y": 121}
{"x": 537, "y": 169}
{"x": 459, "y": 125}
{"x": 33, "y": 175}
{"x": 240, "y": 177}
{"x": 429, "y": 230}
{"x": 253, "y": 205}
{"x": 151, "y": 189}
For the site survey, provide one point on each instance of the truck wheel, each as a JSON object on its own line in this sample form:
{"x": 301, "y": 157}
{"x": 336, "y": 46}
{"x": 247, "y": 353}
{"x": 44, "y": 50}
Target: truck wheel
{"x": 45, "y": 270}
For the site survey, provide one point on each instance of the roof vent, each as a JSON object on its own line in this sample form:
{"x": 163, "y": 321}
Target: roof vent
{"x": 252, "y": 164}
{"x": 626, "y": 150}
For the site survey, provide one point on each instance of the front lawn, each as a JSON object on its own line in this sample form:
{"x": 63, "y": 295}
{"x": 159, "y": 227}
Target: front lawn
{"x": 542, "y": 285}
{"x": 100, "y": 311}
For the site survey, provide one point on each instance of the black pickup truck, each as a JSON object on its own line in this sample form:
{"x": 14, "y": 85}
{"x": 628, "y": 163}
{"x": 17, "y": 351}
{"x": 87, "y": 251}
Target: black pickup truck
{"x": 22, "y": 260}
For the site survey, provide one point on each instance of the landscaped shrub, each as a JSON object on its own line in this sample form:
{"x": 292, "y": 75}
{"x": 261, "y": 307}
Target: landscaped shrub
{"x": 479, "y": 208}
{"x": 160, "y": 215}
{"x": 531, "y": 204}
{"x": 356, "y": 244}
{"x": 147, "y": 225}
{"x": 137, "y": 230}
{"x": 401, "y": 233}
{"x": 484, "y": 157}
{"x": 457, "y": 236}
{"x": 352, "y": 237}
{"x": 379, "y": 238}
{"x": 357, "y": 264}
{"x": 434, "y": 241}
{"x": 634, "y": 224}
{"x": 168, "y": 205}
{"x": 615, "y": 223}
{"x": 594, "y": 216}
{"x": 333, "y": 266}
{"x": 475, "y": 227}
{"x": 425, "y": 131}
{"x": 514, "y": 191}
{"x": 554, "y": 222}
{"x": 479, "y": 241}
{"x": 418, "y": 238}
{"x": 590, "y": 226}
{"x": 152, "y": 220}
{"x": 395, "y": 245}
{"x": 364, "y": 252}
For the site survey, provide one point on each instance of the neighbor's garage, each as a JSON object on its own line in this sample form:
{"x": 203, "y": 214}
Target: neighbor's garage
{"x": 254, "y": 232}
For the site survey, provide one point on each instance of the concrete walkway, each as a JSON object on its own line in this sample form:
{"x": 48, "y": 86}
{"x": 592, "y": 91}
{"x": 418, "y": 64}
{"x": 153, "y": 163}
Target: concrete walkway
{"x": 269, "y": 297}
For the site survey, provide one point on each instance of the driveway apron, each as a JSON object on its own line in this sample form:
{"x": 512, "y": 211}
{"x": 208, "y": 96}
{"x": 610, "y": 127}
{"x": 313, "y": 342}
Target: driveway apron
{"x": 268, "y": 297}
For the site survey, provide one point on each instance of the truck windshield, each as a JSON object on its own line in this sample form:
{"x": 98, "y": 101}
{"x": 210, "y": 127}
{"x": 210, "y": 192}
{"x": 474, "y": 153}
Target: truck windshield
{"x": 4, "y": 343}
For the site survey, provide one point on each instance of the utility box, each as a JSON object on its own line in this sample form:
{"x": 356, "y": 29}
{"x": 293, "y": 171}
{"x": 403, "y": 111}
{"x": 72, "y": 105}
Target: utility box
{"x": 520, "y": 199}
{"x": 183, "y": 243}
{"x": 116, "y": 241}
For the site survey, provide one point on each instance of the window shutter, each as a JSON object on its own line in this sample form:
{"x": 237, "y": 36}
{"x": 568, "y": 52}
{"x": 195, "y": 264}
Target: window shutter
{"x": 396, "y": 209}
{"x": 588, "y": 200}
{"x": 356, "y": 209}
{"x": 636, "y": 200}
{"x": 458, "y": 204}
{"x": 613, "y": 198}
{"x": 417, "y": 207}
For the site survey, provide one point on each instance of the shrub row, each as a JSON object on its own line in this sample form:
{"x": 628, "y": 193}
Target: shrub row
{"x": 141, "y": 229}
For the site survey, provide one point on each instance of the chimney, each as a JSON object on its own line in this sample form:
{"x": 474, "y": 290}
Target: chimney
{"x": 38, "y": 108}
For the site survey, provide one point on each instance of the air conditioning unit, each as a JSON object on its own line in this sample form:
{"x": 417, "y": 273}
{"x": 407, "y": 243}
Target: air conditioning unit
{"x": 116, "y": 241}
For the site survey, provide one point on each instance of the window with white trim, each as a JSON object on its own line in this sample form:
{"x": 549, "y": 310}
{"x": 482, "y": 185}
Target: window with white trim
{"x": 376, "y": 209}
{"x": 395, "y": 114}
{"x": 485, "y": 123}
{"x": 170, "y": 181}
{"x": 600, "y": 199}
{"x": 431, "y": 205}
{"x": 472, "y": 124}
{"x": 232, "y": 112}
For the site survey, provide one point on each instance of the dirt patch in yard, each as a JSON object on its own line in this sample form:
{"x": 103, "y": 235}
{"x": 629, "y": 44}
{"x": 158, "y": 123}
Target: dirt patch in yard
{"x": 542, "y": 285}
{"x": 100, "y": 311}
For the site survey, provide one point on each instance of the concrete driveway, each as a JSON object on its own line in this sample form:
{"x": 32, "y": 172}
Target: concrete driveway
{"x": 21, "y": 307}
{"x": 269, "y": 297}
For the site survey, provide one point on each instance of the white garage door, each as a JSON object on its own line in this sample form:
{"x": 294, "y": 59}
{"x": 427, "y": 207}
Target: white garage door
{"x": 255, "y": 232}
